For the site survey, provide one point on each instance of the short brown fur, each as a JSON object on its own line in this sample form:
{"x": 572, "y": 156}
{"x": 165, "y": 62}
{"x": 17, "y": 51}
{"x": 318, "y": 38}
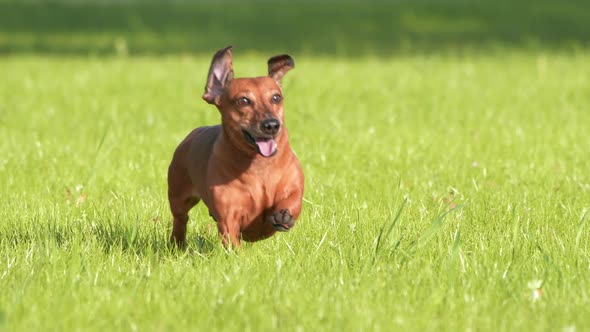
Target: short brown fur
{"x": 244, "y": 169}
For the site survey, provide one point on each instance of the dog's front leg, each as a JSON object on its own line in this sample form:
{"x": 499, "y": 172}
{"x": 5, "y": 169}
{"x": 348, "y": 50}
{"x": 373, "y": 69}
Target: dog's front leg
{"x": 228, "y": 227}
{"x": 286, "y": 210}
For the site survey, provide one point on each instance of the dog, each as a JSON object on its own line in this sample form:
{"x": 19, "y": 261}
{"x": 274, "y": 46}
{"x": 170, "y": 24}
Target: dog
{"x": 243, "y": 169}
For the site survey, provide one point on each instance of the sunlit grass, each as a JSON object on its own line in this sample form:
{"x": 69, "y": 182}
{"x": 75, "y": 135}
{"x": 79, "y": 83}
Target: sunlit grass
{"x": 441, "y": 194}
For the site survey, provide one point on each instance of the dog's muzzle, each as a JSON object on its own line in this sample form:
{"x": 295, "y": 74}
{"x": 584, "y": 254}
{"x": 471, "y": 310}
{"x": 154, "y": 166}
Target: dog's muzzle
{"x": 266, "y": 146}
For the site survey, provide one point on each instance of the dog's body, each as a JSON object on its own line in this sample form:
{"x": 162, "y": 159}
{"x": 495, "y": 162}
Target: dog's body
{"x": 244, "y": 169}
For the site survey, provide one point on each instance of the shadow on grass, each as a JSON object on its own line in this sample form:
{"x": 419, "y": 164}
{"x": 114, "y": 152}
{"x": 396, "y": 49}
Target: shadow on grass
{"x": 141, "y": 238}
{"x": 144, "y": 239}
{"x": 306, "y": 27}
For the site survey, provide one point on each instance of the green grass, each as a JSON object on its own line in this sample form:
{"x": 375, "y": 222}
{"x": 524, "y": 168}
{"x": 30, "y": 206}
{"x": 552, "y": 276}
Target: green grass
{"x": 438, "y": 189}
{"x": 445, "y": 147}
{"x": 345, "y": 27}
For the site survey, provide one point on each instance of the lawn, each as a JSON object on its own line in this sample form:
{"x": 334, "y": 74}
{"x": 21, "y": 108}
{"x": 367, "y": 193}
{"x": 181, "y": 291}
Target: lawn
{"x": 444, "y": 191}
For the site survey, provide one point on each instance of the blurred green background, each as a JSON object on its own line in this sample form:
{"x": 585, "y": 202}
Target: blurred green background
{"x": 343, "y": 28}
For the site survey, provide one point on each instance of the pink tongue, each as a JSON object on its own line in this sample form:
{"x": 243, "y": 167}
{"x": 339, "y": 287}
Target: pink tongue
{"x": 266, "y": 146}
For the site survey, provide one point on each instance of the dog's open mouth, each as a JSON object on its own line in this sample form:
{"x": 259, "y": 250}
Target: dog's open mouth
{"x": 266, "y": 146}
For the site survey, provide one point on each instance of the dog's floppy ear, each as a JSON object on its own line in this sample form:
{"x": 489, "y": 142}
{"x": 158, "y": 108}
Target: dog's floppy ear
{"x": 220, "y": 74}
{"x": 279, "y": 65}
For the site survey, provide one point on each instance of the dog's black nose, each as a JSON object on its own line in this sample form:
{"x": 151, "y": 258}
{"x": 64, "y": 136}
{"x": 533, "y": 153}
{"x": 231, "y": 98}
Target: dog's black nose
{"x": 270, "y": 126}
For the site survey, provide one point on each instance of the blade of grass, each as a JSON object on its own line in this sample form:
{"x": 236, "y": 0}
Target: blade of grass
{"x": 98, "y": 149}
{"x": 380, "y": 237}
{"x": 546, "y": 257}
{"x": 434, "y": 228}
{"x": 581, "y": 225}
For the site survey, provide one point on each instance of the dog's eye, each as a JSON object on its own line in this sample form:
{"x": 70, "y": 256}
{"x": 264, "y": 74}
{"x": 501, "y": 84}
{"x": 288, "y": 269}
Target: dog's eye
{"x": 243, "y": 101}
{"x": 276, "y": 99}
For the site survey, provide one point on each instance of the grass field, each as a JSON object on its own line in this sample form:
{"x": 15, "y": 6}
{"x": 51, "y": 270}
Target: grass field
{"x": 443, "y": 192}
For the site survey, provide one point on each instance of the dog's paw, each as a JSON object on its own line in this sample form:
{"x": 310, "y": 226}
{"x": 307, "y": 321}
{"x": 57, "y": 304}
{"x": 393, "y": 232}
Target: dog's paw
{"x": 282, "y": 217}
{"x": 282, "y": 220}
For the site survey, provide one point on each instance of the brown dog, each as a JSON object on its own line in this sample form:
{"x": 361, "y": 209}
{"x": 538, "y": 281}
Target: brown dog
{"x": 244, "y": 169}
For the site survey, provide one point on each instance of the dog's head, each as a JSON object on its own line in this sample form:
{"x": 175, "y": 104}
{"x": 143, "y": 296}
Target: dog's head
{"x": 251, "y": 108}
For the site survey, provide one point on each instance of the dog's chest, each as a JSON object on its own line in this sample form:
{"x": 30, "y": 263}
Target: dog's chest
{"x": 260, "y": 196}
{"x": 248, "y": 197}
